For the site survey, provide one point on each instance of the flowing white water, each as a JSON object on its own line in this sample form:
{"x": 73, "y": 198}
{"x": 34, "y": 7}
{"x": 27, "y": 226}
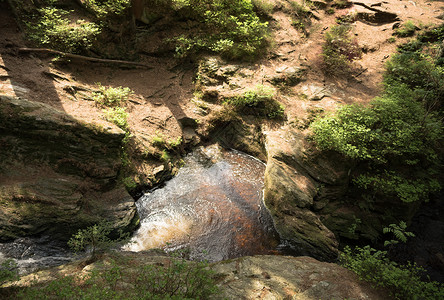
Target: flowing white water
{"x": 213, "y": 206}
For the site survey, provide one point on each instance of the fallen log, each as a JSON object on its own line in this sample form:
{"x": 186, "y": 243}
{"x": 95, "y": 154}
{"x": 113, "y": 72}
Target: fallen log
{"x": 81, "y": 57}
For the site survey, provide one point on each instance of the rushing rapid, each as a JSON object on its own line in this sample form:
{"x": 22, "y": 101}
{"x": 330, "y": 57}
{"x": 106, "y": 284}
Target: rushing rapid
{"x": 213, "y": 207}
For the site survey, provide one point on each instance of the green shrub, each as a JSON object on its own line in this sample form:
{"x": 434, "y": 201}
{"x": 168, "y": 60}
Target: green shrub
{"x": 407, "y": 29}
{"x": 402, "y": 281}
{"x": 110, "y": 96}
{"x": 8, "y": 270}
{"x": 397, "y": 136}
{"x": 108, "y": 8}
{"x": 264, "y": 7}
{"x": 260, "y": 100}
{"x": 96, "y": 237}
{"x": 395, "y": 133}
{"x": 178, "y": 279}
{"x": 54, "y": 30}
{"x": 339, "y": 50}
{"x": 420, "y": 73}
{"x": 228, "y": 27}
{"x": 118, "y": 116}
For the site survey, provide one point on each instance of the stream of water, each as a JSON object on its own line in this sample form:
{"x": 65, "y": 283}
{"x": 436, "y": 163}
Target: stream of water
{"x": 213, "y": 207}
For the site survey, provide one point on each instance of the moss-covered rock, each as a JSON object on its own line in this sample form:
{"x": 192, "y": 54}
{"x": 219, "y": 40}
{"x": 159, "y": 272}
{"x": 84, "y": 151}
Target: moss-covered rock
{"x": 57, "y": 174}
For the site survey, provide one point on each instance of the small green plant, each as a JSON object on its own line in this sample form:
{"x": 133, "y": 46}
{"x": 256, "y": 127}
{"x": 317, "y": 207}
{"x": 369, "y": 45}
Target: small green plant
{"x": 121, "y": 278}
{"x": 354, "y": 226}
{"x": 399, "y": 232}
{"x": 260, "y": 100}
{"x": 159, "y": 140}
{"x": 108, "y": 8}
{"x": 301, "y": 10}
{"x": 264, "y": 7}
{"x": 330, "y": 11}
{"x": 95, "y": 237}
{"x": 407, "y": 29}
{"x": 402, "y": 281}
{"x": 341, "y": 4}
{"x": 129, "y": 183}
{"x": 111, "y": 96}
{"x": 298, "y": 24}
{"x": 118, "y": 116}
{"x": 339, "y": 50}
{"x": 165, "y": 156}
{"x": 8, "y": 271}
{"x": 174, "y": 144}
{"x": 391, "y": 40}
{"x": 53, "y": 29}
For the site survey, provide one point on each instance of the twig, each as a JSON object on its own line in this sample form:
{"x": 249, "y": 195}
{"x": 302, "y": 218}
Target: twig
{"x": 76, "y": 56}
{"x": 360, "y": 73}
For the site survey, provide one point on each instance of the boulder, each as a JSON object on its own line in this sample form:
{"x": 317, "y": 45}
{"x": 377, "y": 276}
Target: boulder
{"x": 284, "y": 277}
{"x": 287, "y": 75}
{"x": 58, "y": 174}
{"x": 298, "y": 181}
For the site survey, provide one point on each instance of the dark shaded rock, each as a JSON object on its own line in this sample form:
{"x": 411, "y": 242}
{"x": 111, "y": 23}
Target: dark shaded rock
{"x": 57, "y": 174}
{"x": 188, "y": 122}
{"x": 294, "y": 176}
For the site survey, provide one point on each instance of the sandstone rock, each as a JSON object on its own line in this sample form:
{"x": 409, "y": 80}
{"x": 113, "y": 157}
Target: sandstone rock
{"x": 288, "y": 75}
{"x": 57, "y": 174}
{"x": 315, "y": 92}
{"x": 298, "y": 181}
{"x": 284, "y": 277}
{"x": 251, "y": 277}
{"x": 291, "y": 147}
{"x": 366, "y": 12}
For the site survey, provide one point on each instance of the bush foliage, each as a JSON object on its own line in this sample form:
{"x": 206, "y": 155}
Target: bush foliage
{"x": 51, "y": 28}
{"x": 260, "y": 101}
{"x": 8, "y": 270}
{"x": 95, "y": 237}
{"x": 228, "y": 27}
{"x": 110, "y": 96}
{"x": 339, "y": 50}
{"x": 177, "y": 279}
{"x": 402, "y": 281}
{"x": 397, "y": 136}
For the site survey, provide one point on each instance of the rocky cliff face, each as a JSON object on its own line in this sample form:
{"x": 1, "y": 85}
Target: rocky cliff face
{"x": 312, "y": 202}
{"x": 57, "y": 174}
{"x": 298, "y": 182}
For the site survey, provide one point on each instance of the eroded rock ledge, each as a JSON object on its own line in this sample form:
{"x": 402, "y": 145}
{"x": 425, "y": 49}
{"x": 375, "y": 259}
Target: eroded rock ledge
{"x": 285, "y": 277}
{"x": 57, "y": 174}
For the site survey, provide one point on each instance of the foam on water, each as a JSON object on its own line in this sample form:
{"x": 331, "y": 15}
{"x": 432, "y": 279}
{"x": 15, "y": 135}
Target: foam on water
{"x": 213, "y": 206}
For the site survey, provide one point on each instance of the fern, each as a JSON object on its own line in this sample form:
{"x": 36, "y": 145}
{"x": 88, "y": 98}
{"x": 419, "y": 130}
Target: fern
{"x": 399, "y": 232}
